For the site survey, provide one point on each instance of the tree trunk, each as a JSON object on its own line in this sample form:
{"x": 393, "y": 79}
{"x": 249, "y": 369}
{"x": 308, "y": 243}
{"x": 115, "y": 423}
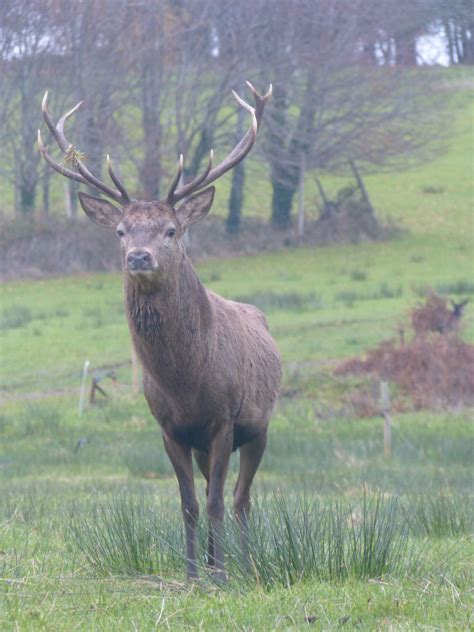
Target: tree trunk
{"x": 449, "y": 39}
{"x": 45, "y": 188}
{"x": 151, "y": 80}
{"x": 405, "y": 46}
{"x": 92, "y": 143}
{"x": 203, "y": 147}
{"x": 285, "y": 178}
{"x": 361, "y": 186}
{"x": 301, "y": 196}
{"x": 282, "y": 201}
{"x": 236, "y": 198}
{"x": 150, "y": 173}
{"x": 27, "y": 187}
{"x": 458, "y": 44}
{"x": 467, "y": 44}
{"x": 27, "y": 199}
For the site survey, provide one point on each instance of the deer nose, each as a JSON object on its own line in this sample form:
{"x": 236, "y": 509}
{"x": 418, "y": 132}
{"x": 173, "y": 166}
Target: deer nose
{"x": 139, "y": 260}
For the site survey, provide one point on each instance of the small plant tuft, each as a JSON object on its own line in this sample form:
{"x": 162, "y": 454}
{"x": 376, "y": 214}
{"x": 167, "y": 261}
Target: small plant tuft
{"x": 15, "y": 317}
{"x": 147, "y": 461}
{"x": 290, "y": 301}
{"x": 439, "y": 516}
{"x": 358, "y": 275}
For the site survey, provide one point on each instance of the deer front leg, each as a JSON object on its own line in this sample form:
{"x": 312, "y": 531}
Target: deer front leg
{"x": 202, "y": 459}
{"x": 219, "y": 455}
{"x": 181, "y": 459}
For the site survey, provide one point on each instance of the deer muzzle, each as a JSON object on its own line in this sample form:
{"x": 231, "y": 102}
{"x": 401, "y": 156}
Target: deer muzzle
{"x": 140, "y": 261}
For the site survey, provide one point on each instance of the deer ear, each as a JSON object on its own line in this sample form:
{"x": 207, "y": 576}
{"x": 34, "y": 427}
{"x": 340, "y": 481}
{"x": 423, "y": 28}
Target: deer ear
{"x": 195, "y": 208}
{"x": 100, "y": 211}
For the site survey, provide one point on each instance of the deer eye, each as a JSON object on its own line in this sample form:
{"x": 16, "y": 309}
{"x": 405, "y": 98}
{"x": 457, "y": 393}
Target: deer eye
{"x": 171, "y": 232}
{"x": 120, "y": 232}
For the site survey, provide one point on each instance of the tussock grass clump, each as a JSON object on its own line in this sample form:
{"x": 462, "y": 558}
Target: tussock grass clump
{"x": 299, "y": 538}
{"x": 288, "y": 540}
{"x": 289, "y": 301}
{"x": 358, "y": 275}
{"x": 462, "y": 286}
{"x": 147, "y": 461}
{"x": 383, "y": 291}
{"x": 439, "y": 516}
{"x": 39, "y": 417}
{"x": 15, "y": 317}
{"x": 127, "y": 535}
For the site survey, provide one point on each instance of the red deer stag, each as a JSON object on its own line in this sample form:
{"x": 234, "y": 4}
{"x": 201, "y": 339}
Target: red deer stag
{"x": 435, "y": 317}
{"x": 211, "y": 371}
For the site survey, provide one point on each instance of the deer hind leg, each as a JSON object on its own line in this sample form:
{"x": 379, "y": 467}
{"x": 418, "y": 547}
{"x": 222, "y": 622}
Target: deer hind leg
{"x": 219, "y": 456}
{"x": 181, "y": 459}
{"x": 202, "y": 459}
{"x": 251, "y": 454}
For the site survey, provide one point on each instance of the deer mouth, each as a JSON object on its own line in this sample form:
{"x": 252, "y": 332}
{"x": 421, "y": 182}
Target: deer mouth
{"x": 142, "y": 271}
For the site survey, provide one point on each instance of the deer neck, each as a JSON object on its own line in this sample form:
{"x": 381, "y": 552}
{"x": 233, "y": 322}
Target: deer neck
{"x": 171, "y": 326}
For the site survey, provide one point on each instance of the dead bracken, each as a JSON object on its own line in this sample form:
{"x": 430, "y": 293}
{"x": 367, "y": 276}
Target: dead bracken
{"x": 435, "y": 369}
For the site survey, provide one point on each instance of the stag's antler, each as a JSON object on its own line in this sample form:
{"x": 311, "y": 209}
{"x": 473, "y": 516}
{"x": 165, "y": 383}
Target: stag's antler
{"x": 236, "y": 155}
{"x": 82, "y": 174}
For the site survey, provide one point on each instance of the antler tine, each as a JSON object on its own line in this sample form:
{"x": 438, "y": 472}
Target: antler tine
{"x": 84, "y": 176}
{"x": 260, "y": 101}
{"x": 194, "y": 184}
{"x": 50, "y": 124}
{"x": 64, "y": 118}
{"x": 236, "y": 155}
{"x": 265, "y": 97}
{"x": 176, "y": 179}
{"x": 116, "y": 181}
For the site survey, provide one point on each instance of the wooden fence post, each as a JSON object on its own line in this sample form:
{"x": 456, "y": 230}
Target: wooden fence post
{"x": 83, "y": 387}
{"x": 387, "y": 428}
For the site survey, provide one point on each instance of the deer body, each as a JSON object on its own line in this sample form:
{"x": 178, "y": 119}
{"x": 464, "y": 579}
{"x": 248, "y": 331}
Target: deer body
{"x": 206, "y": 361}
{"x": 435, "y": 317}
{"x": 211, "y": 371}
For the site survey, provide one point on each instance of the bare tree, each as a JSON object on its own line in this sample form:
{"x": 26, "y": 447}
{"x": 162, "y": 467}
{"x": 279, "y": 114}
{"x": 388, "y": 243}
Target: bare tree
{"x": 456, "y": 18}
{"x": 94, "y": 39}
{"x": 165, "y": 67}
{"x": 26, "y": 63}
{"x": 337, "y": 107}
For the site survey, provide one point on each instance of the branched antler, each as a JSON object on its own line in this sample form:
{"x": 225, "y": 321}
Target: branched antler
{"x": 79, "y": 172}
{"x": 234, "y": 157}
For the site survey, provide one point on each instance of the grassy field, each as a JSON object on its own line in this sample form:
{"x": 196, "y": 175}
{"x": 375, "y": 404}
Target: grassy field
{"x": 90, "y": 534}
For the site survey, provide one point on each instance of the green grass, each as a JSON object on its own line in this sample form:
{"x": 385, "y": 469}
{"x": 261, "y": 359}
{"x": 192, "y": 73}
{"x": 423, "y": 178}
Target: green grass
{"x": 317, "y": 311}
{"x": 90, "y": 531}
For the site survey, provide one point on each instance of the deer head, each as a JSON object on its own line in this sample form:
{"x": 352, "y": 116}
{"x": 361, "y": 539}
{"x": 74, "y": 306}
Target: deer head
{"x": 150, "y": 232}
{"x": 458, "y": 308}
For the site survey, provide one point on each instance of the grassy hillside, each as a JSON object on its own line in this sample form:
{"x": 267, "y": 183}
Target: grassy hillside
{"x": 322, "y": 304}
{"x": 90, "y": 534}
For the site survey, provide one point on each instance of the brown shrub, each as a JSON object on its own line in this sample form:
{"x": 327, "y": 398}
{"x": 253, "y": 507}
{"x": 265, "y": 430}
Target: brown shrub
{"x": 435, "y": 371}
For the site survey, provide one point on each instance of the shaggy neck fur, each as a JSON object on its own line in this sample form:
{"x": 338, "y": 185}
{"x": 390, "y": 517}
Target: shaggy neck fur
{"x": 170, "y": 327}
